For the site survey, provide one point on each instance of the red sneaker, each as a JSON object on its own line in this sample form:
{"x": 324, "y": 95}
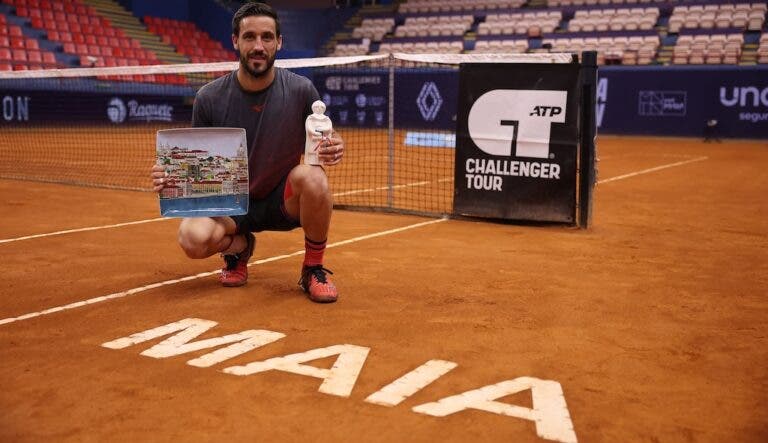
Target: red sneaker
{"x": 235, "y": 273}
{"x": 317, "y": 285}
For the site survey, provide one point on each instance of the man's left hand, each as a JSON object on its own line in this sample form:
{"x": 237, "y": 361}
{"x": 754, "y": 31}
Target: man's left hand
{"x": 332, "y": 151}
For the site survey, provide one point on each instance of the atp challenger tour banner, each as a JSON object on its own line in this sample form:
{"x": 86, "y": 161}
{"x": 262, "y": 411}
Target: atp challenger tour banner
{"x": 516, "y": 141}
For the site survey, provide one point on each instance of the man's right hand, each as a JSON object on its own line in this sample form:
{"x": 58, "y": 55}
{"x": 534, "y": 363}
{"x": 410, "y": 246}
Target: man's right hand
{"x": 159, "y": 178}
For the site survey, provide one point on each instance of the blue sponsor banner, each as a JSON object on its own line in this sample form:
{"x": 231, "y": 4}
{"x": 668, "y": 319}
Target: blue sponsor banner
{"x": 423, "y": 98}
{"x": 679, "y": 100}
{"x": 354, "y": 98}
{"x": 21, "y": 107}
{"x": 426, "y": 98}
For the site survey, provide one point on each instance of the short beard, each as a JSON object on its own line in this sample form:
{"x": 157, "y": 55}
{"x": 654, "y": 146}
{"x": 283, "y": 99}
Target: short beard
{"x": 254, "y": 73}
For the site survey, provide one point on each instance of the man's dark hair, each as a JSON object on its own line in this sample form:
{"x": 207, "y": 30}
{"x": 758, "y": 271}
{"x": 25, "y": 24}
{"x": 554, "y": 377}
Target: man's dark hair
{"x": 254, "y": 8}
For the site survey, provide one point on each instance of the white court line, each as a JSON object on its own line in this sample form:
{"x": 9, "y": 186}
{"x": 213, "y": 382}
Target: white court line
{"x": 92, "y": 228}
{"x": 96, "y": 228}
{"x": 654, "y": 169}
{"x": 384, "y": 188}
{"x": 338, "y": 194}
{"x": 140, "y": 289}
{"x": 281, "y": 257}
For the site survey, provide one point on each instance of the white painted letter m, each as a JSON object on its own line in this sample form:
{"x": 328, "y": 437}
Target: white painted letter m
{"x": 189, "y": 328}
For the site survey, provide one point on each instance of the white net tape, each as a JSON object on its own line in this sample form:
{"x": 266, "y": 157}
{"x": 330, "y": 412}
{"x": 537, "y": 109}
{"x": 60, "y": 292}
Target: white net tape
{"x": 188, "y": 68}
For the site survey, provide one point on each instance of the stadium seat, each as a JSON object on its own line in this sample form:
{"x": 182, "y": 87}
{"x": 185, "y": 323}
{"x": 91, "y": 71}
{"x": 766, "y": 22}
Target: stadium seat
{"x": 34, "y": 57}
{"x": 49, "y": 58}
{"x": 19, "y": 55}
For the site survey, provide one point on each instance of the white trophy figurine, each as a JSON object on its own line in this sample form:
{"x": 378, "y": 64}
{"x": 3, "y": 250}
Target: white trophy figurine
{"x": 318, "y": 127}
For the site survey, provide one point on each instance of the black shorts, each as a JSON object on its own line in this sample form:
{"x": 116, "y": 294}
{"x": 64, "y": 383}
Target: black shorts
{"x": 267, "y": 214}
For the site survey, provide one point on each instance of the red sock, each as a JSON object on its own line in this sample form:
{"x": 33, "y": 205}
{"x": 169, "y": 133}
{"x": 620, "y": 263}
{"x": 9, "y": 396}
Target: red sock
{"x": 313, "y": 255}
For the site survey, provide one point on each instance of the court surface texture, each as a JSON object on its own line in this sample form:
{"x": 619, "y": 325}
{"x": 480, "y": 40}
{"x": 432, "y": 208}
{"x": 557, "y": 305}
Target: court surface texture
{"x": 652, "y": 325}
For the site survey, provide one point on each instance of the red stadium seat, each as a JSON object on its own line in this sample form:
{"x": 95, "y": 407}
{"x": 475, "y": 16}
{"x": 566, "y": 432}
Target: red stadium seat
{"x": 5, "y": 54}
{"x": 6, "y": 67}
{"x": 4, "y": 42}
{"x": 49, "y": 58}
{"x": 31, "y": 43}
{"x": 34, "y": 56}
{"x": 19, "y": 55}
{"x": 17, "y": 43}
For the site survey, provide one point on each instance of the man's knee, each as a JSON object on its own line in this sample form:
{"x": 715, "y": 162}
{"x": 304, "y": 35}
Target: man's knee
{"x": 197, "y": 236}
{"x": 311, "y": 181}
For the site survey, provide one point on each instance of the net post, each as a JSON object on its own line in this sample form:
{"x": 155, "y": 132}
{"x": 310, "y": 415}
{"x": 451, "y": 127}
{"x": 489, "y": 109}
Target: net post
{"x": 588, "y": 132}
{"x": 391, "y": 134}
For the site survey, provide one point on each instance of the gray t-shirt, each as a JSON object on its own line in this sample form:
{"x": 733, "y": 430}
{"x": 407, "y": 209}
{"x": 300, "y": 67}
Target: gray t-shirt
{"x": 273, "y": 119}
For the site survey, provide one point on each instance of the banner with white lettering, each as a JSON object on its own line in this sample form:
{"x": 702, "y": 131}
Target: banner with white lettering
{"x": 24, "y": 107}
{"x": 681, "y": 100}
{"x": 517, "y": 141}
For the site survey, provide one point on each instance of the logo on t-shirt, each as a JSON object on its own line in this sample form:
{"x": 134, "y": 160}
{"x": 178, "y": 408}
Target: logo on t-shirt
{"x": 257, "y": 108}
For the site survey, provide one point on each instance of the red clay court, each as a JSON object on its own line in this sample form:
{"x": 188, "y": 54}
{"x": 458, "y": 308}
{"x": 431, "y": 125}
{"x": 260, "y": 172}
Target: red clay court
{"x": 649, "y": 326}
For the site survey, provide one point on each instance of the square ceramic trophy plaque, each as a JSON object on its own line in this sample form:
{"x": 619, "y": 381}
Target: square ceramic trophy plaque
{"x": 207, "y": 172}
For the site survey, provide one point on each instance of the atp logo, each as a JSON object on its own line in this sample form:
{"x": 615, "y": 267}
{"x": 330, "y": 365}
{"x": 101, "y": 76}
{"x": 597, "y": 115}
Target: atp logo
{"x": 506, "y": 120}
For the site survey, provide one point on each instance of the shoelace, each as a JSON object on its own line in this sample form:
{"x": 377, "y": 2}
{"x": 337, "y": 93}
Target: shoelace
{"x": 319, "y": 273}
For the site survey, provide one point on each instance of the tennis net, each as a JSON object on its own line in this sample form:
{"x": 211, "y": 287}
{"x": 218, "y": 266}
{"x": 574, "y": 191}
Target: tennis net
{"x": 97, "y": 126}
